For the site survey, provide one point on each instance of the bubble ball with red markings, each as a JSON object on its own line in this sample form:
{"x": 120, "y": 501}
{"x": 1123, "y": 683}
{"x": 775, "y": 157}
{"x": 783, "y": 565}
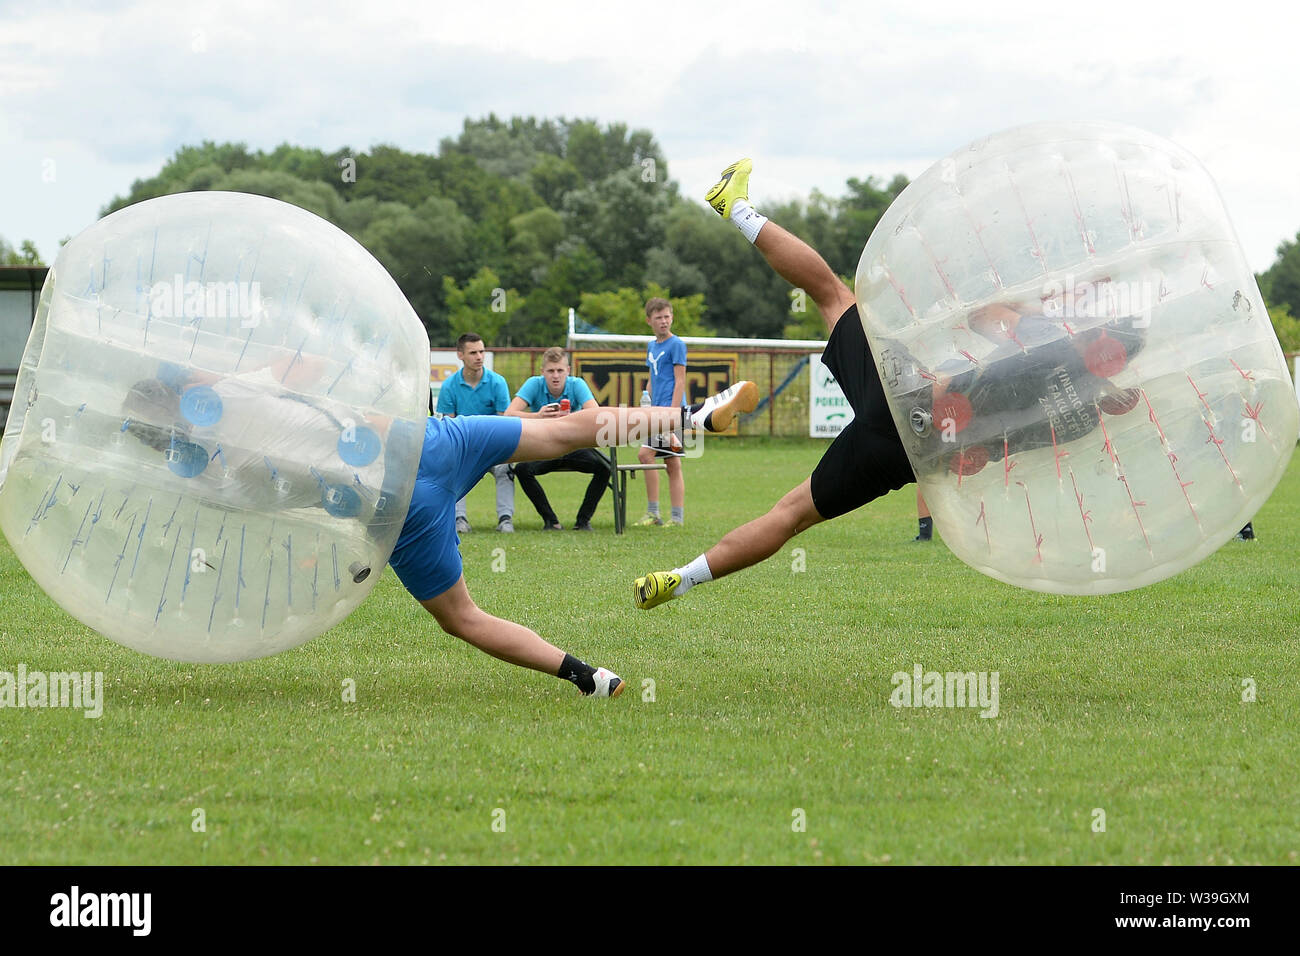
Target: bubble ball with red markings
{"x": 216, "y": 427}
{"x": 1077, "y": 357}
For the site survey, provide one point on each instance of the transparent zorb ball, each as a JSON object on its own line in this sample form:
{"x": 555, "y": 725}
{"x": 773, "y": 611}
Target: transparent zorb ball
{"x": 1077, "y": 357}
{"x": 216, "y": 427}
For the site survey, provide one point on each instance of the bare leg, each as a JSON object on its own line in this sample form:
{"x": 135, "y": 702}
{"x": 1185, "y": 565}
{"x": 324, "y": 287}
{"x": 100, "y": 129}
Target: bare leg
{"x": 676, "y": 483}
{"x": 646, "y": 456}
{"x": 543, "y": 438}
{"x": 801, "y": 265}
{"x": 458, "y": 615}
{"x": 765, "y": 536}
{"x": 924, "y": 524}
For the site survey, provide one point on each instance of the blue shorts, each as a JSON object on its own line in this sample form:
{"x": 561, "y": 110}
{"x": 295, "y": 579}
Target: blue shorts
{"x": 457, "y": 453}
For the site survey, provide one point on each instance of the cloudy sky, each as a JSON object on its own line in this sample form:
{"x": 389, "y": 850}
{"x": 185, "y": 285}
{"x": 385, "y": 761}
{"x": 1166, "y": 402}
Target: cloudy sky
{"x": 96, "y": 94}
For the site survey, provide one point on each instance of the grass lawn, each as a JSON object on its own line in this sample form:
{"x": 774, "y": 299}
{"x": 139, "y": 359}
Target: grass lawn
{"x": 755, "y": 704}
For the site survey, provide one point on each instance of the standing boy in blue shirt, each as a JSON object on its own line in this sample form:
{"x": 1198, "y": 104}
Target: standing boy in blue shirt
{"x": 475, "y": 390}
{"x": 666, "y": 359}
{"x": 542, "y": 397}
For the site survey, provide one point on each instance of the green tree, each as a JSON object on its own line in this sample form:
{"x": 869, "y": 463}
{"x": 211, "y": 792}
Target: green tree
{"x": 501, "y": 149}
{"x": 576, "y": 270}
{"x": 622, "y": 311}
{"x": 508, "y": 148}
{"x": 663, "y": 267}
{"x": 552, "y": 178}
{"x": 25, "y": 255}
{"x": 481, "y": 305}
{"x": 533, "y": 239}
{"x": 856, "y": 217}
{"x": 586, "y": 150}
{"x": 176, "y": 172}
{"x": 418, "y": 247}
{"x": 621, "y": 218}
{"x": 554, "y": 208}
{"x": 805, "y": 319}
{"x": 312, "y": 165}
{"x": 1286, "y": 326}
{"x": 389, "y": 174}
{"x": 315, "y": 197}
{"x": 1281, "y": 283}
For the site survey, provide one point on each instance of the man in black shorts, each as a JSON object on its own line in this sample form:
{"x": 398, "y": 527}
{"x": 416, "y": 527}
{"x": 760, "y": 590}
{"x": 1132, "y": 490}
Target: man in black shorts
{"x": 865, "y": 461}
{"x": 1041, "y": 386}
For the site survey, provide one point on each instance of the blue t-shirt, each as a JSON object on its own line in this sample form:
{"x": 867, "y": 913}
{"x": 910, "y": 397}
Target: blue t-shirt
{"x": 491, "y": 396}
{"x": 660, "y": 357}
{"x": 536, "y": 394}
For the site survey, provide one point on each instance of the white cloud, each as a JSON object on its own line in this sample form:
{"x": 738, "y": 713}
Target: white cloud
{"x": 816, "y": 93}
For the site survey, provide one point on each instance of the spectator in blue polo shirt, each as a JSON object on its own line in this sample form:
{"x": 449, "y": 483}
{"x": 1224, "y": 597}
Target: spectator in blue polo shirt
{"x": 543, "y": 396}
{"x": 475, "y": 390}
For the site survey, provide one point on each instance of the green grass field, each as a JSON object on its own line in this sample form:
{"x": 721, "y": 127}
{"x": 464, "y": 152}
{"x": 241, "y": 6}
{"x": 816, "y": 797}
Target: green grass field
{"x": 770, "y": 696}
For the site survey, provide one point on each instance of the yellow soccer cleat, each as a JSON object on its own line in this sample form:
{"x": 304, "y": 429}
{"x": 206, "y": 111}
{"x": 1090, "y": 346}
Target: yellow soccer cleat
{"x": 655, "y": 588}
{"x": 649, "y": 521}
{"x": 733, "y": 185}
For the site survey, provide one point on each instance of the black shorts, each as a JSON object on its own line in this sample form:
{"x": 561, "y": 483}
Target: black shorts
{"x": 661, "y": 445}
{"x": 867, "y": 459}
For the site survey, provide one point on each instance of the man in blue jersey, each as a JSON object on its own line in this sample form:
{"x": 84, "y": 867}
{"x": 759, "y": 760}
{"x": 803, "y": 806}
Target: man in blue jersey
{"x": 554, "y": 394}
{"x": 456, "y": 453}
{"x": 666, "y": 359}
{"x": 475, "y": 390}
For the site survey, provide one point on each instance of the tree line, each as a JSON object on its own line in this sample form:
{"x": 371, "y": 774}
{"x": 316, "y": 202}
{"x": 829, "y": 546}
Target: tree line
{"x": 513, "y": 222}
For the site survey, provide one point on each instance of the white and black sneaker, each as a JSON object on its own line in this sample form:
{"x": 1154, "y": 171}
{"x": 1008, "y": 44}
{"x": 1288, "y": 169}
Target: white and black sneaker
{"x": 716, "y": 413}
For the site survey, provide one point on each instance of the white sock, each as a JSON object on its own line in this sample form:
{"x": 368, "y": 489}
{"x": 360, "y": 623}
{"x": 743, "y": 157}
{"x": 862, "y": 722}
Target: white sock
{"x": 697, "y": 572}
{"x": 747, "y": 219}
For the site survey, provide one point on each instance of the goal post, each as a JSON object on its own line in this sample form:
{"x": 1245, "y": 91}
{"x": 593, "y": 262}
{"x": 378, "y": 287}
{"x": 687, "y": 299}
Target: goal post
{"x": 782, "y": 368}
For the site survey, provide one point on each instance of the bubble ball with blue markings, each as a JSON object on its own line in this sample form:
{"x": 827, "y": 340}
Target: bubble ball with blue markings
{"x": 1077, "y": 357}
{"x": 216, "y": 427}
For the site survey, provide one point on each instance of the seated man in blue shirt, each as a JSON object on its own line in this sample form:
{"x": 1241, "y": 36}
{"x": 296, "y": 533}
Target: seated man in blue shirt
{"x": 551, "y": 395}
{"x": 475, "y": 390}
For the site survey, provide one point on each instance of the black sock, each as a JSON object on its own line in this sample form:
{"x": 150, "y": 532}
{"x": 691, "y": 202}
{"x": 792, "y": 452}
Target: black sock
{"x": 582, "y": 676}
{"x": 926, "y": 526}
{"x": 688, "y": 411}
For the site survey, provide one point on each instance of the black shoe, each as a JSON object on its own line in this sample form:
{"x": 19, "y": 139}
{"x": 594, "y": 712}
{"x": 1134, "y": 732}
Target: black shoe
{"x": 582, "y": 526}
{"x": 556, "y": 526}
{"x": 1247, "y": 533}
{"x": 923, "y": 537}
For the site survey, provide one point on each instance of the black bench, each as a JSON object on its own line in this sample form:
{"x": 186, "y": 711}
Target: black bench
{"x": 618, "y": 485}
